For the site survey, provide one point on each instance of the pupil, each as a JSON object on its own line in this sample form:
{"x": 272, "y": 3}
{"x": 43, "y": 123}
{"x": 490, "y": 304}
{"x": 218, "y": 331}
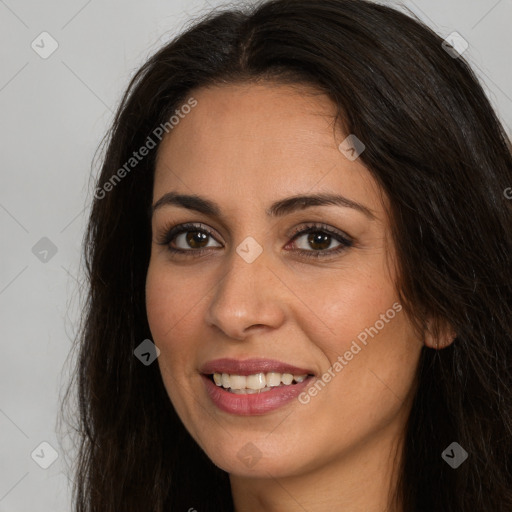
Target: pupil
{"x": 321, "y": 239}
{"x": 194, "y": 238}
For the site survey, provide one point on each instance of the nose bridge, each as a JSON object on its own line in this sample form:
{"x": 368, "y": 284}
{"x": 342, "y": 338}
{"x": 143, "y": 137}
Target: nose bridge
{"x": 245, "y": 296}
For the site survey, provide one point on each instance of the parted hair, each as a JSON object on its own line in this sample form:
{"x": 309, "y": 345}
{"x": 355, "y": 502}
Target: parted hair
{"x": 439, "y": 153}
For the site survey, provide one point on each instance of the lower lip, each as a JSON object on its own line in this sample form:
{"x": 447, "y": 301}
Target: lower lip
{"x": 254, "y": 403}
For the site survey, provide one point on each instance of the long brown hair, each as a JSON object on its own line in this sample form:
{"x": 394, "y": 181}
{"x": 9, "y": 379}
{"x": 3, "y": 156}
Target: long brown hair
{"x": 438, "y": 151}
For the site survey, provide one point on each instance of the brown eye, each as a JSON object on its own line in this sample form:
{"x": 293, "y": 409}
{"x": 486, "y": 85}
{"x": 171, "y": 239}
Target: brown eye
{"x": 187, "y": 238}
{"x": 192, "y": 240}
{"x": 318, "y": 239}
{"x": 195, "y": 239}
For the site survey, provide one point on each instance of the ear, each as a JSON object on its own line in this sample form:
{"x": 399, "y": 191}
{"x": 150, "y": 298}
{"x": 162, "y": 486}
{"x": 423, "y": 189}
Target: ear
{"x": 439, "y": 334}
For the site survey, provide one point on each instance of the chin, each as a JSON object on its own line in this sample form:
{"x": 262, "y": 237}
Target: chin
{"x": 255, "y": 456}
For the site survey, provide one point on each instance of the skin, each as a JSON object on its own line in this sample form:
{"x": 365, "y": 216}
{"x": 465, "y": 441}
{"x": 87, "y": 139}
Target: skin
{"x": 245, "y": 146}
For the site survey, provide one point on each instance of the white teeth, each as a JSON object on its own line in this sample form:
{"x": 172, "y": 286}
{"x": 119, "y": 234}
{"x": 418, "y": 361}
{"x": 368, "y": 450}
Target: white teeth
{"x": 273, "y": 379}
{"x": 244, "y": 391}
{"x": 239, "y": 382}
{"x": 257, "y": 381}
{"x": 287, "y": 378}
{"x": 249, "y": 384}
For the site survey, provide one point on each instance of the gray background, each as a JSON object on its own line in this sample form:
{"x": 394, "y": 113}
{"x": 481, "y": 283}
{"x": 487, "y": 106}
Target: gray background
{"x": 54, "y": 112}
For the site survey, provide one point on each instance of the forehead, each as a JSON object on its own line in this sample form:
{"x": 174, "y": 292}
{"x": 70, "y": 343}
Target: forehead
{"x": 259, "y": 142}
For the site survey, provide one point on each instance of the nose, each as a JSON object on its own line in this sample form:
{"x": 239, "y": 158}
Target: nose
{"x": 249, "y": 297}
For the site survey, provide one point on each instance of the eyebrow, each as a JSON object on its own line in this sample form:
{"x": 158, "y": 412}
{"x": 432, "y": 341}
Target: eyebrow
{"x": 277, "y": 209}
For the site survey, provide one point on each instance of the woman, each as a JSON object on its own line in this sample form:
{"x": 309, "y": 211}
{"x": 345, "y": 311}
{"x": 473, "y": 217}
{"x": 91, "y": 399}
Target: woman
{"x": 299, "y": 268}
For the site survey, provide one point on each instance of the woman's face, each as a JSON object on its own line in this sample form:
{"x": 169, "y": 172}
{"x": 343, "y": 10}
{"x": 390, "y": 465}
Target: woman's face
{"x": 251, "y": 284}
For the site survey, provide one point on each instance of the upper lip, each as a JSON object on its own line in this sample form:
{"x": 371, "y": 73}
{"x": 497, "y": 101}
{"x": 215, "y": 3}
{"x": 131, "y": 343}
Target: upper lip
{"x": 250, "y": 367}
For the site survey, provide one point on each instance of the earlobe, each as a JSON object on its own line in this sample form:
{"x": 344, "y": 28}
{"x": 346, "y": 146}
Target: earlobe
{"x": 439, "y": 335}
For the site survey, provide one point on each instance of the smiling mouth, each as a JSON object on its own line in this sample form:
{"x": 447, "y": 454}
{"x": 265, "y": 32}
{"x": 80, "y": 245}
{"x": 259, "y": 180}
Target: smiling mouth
{"x": 257, "y": 382}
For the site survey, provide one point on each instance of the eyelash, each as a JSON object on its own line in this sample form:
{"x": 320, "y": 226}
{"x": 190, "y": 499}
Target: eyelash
{"x": 171, "y": 232}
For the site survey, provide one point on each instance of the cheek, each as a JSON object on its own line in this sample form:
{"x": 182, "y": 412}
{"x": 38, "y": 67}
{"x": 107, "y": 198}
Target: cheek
{"x": 359, "y": 318}
{"x": 170, "y": 295}
{"x": 170, "y": 306}
{"x": 346, "y": 306}
{"x": 170, "y": 309}
{"x": 160, "y": 305}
